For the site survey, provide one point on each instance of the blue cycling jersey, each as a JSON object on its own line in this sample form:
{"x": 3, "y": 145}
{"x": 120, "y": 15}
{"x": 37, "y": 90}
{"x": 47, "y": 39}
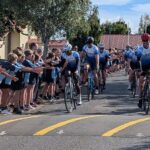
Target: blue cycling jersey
{"x": 72, "y": 59}
{"x": 128, "y": 54}
{"x": 144, "y": 55}
{"x": 91, "y": 52}
{"x": 103, "y": 56}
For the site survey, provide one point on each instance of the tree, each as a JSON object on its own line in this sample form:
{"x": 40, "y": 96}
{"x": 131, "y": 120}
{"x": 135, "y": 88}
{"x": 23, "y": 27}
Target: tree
{"x": 46, "y": 17}
{"x": 148, "y": 29}
{"x": 94, "y": 22}
{"x": 144, "y": 24}
{"x": 90, "y": 26}
{"x": 118, "y": 27}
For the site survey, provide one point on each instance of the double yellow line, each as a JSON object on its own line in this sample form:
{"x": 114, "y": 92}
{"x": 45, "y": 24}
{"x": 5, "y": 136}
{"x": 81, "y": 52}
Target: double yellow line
{"x": 64, "y": 123}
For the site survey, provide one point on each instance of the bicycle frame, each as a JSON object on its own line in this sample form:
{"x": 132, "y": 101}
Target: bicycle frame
{"x": 91, "y": 87}
{"x": 146, "y": 93}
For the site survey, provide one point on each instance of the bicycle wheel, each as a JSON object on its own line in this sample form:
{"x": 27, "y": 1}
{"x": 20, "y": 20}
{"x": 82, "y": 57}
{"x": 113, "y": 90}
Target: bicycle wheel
{"x": 89, "y": 89}
{"x": 133, "y": 89}
{"x": 92, "y": 89}
{"x": 74, "y": 96}
{"x": 147, "y": 99}
{"x": 69, "y": 104}
{"x": 101, "y": 86}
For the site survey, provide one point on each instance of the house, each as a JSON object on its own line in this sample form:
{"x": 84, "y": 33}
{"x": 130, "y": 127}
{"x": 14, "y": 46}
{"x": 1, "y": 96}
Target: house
{"x": 13, "y": 40}
{"x": 120, "y": 41}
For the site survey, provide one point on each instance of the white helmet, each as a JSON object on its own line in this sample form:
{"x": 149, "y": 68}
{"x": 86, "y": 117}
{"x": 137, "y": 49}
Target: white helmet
{"x": 67, "y": 47}
{"x": 101, "y": 45}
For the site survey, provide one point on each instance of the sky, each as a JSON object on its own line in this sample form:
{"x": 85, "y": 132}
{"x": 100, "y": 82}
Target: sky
{"x": 128, "y": 10}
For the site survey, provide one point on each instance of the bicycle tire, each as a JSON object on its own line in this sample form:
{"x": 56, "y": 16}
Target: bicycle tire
{"x": 147, "y": 101}
{"x": 92, "y": 90}
{"x": 68, "y": 100}
{"x": 74, "y": 97}
{"x": 133, "y": 89}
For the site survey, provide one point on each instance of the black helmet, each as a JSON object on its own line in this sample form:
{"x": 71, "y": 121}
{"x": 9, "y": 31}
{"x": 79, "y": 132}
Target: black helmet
{"x": 90, "y": 39}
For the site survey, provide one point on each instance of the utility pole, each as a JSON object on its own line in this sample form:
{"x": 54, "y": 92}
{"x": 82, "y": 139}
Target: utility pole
{"x": 110, "y": 28}
{"x": 128, "y": 35}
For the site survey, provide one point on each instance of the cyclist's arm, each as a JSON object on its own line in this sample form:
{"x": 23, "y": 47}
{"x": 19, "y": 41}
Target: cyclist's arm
{"x": 82, "y": 55}
{"x": 64, "y": 66}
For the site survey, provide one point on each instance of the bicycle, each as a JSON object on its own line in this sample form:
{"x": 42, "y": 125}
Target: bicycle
{"x": 134, "y": 83}
{"x": 101, "y": 82}
{"x": 70, "y": 94}
{"x": 146, "y": 94}
{"x": 126, "y": 69}
{"x": 90, "y": 87}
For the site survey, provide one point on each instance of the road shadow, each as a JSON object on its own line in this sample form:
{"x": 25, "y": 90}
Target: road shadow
{"x": 129, "y": 112}
{"x": 143, "y": 146}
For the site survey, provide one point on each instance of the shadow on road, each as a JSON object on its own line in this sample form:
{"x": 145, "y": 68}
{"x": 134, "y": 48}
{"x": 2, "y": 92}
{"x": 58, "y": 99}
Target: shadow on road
{"x": 143, "y": 146}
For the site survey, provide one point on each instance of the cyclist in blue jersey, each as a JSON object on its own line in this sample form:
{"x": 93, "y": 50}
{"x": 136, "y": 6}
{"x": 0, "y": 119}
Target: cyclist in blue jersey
{"x": 91, "y": 54}
{"x": 103, "y": 59}
{"x": 72, "y": 62}
{"x": 128, "y": 55}
{"x": 143, "y": 54}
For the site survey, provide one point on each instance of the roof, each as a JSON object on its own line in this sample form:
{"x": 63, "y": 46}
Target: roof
{"x": 58, "y": 43}
{"x": 120, "y": 41}
{"x": 52, "y": 43}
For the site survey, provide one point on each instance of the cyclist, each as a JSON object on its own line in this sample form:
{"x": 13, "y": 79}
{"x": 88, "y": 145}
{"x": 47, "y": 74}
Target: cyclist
{"x": 91, "y": 54}
{"x": 143, "y": 54}
{"x": 128, "y": 56}
{"x": 72, "y": 62}
{"x": 103, "y": 59}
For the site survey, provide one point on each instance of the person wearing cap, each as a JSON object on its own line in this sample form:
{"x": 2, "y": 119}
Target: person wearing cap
{"x": 103, "y": 59}
{"x": 72, "y": 62}
{"x": 143, "y": 55}
{"x": 91, "y": 54}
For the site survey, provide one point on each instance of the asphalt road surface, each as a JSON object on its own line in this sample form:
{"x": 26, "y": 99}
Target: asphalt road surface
{"x": 111, "y": 121}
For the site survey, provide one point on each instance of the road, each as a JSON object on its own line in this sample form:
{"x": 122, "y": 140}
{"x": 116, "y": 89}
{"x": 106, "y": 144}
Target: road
{"x": 111, "y": 121}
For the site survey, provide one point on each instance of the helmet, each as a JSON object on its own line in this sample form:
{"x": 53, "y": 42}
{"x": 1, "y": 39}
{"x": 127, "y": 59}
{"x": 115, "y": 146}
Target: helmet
{"x": 67, "y": 47}
{"x": 145, "y": 37}
{"x": 90, "y": 39}
{"x": 101, "y": 45}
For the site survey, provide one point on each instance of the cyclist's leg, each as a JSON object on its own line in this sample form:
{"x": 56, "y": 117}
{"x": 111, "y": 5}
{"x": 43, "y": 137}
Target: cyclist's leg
{"x": 96, "y": 81}
{"x": 104, "y": 75}
{"x": 77, "y": 82}
{"x": 131, "y": 74}
{"x": 85, "y": 73}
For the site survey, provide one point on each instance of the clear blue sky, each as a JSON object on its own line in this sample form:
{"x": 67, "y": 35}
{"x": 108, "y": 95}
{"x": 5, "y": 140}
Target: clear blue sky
{"x": 129, "y": 10}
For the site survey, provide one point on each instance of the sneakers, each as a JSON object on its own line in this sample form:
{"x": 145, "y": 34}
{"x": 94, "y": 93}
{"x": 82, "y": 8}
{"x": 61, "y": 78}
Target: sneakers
{"x": 79, "y": 99}
{"x": 51, "y": 100}
{"x": 31, "y": 107}
{"x": 96, "y": 91}
{"x": 140, "y": 103}
{"x": 17, "y": 111}
{"x": 129, "y": 87}
{"x": 6, "y": 111}
{"x": 45, "y": 98}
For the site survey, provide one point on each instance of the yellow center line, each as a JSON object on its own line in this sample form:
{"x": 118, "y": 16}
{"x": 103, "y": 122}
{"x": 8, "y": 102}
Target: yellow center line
{"x": 18, "y": 119}
{"x": 124, "y": 126}
{"x": 60, "y": 124}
